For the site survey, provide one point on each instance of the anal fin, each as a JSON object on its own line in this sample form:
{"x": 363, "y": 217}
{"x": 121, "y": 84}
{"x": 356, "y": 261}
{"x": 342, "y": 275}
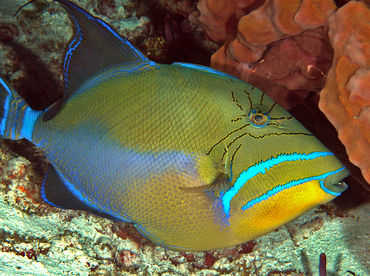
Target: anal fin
{"x": 55, "y": 192}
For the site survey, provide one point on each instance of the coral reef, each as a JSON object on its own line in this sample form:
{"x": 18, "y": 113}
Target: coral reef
{"x": 286, "y": 49}
{"x": 279, "y": 48}
{"x": 220, "y": 18}
{"x": 345, "y": 97}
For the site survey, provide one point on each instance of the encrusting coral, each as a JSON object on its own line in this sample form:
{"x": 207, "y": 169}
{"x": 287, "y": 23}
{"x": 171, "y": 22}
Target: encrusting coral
{"x": 278, "y": 47}
{"x": 220, "y": 18}
{"x": 292, "y": 50}
{"x": 345, "y": 98}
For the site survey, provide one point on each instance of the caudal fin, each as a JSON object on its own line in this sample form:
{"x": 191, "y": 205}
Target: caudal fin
{"x": 17, "y": 118}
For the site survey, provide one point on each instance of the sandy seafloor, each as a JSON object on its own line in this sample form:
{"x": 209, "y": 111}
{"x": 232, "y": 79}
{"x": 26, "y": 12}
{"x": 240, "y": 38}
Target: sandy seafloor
{"x": 37, "y": 239}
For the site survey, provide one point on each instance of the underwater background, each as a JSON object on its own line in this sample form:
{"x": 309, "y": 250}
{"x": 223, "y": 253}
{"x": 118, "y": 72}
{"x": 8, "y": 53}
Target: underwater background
{"x": 38, "y": 239}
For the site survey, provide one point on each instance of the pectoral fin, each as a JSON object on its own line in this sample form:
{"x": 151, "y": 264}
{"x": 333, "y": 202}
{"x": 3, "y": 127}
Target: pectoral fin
{"x": 211, "y": 171}
{"x": 213, "y": 176}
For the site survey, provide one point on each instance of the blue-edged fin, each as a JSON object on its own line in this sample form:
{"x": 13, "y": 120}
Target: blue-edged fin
{"x": 6, "y": 95}
{"x": 17, "y": 118}
{"x": 55, "y": 192}
{"x": 94, "y": 47}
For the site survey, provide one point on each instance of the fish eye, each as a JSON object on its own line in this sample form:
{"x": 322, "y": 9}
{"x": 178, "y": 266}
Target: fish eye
{"x": 259, "y": 117}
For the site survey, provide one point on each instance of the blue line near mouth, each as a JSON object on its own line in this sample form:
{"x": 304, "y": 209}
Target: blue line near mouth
{"x": 261, "y": 168}
{"x": 291, "y": 184}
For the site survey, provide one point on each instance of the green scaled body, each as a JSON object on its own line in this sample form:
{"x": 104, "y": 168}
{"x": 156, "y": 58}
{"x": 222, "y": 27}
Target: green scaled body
{"x": 197, "y": 159}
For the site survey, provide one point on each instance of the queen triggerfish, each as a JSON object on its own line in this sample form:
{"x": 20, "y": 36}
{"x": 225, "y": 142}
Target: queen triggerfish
{"x": 195, "y": 158}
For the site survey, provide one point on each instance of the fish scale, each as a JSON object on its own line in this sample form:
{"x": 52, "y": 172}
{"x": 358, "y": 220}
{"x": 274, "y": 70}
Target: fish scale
{"x": 195, "y": 158}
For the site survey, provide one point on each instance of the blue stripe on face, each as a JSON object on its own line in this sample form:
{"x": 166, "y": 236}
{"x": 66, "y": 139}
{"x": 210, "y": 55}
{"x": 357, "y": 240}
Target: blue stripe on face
{"x": 261, "y": 168}
{"x": 291, "y": 184}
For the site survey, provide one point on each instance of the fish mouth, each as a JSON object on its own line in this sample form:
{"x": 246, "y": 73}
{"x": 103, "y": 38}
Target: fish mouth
{"x": 333, "y": 183}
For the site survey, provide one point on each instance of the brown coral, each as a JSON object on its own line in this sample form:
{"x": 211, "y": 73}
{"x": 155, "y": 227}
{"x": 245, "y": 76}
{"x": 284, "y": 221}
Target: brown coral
{"x": 345, "y": 99}
{"x": 282, "y": 48}
{"x": 220, "y": 18}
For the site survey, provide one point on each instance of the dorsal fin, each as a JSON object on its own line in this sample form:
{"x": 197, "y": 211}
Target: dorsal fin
{"x": 94, "y": 47}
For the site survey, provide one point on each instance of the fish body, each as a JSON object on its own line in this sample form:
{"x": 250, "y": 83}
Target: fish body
{"x": 195, "y": 158}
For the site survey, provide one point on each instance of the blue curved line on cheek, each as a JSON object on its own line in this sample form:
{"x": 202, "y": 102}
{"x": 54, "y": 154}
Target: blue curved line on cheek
{"x": 326, "y": 189}
{"x": 261, "y": 168}
{"x": 289, "y": 185}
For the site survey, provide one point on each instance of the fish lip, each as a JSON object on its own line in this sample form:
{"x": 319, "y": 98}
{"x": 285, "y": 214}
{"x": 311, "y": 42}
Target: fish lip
{"x": 333, "y": 183}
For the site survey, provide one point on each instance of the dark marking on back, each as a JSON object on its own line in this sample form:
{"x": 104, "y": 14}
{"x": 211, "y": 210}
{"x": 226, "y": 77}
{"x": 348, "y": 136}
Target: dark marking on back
{"x": 236, "y": 120}
{"x": 232, "y": 160}
{"x": 225, "y": 137}
{"x": 272, "y": 107}
{"x": 240, "y": 107}
{"x": 249, "y": 98}
{"x": 267, "y": 135}
{"x": 261, "y": 100}
{"x": 239, "y": 118}
{"x": 279, "y": 119}
{"x": 236, "y": 101}
{"x": 233, "y": 96}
